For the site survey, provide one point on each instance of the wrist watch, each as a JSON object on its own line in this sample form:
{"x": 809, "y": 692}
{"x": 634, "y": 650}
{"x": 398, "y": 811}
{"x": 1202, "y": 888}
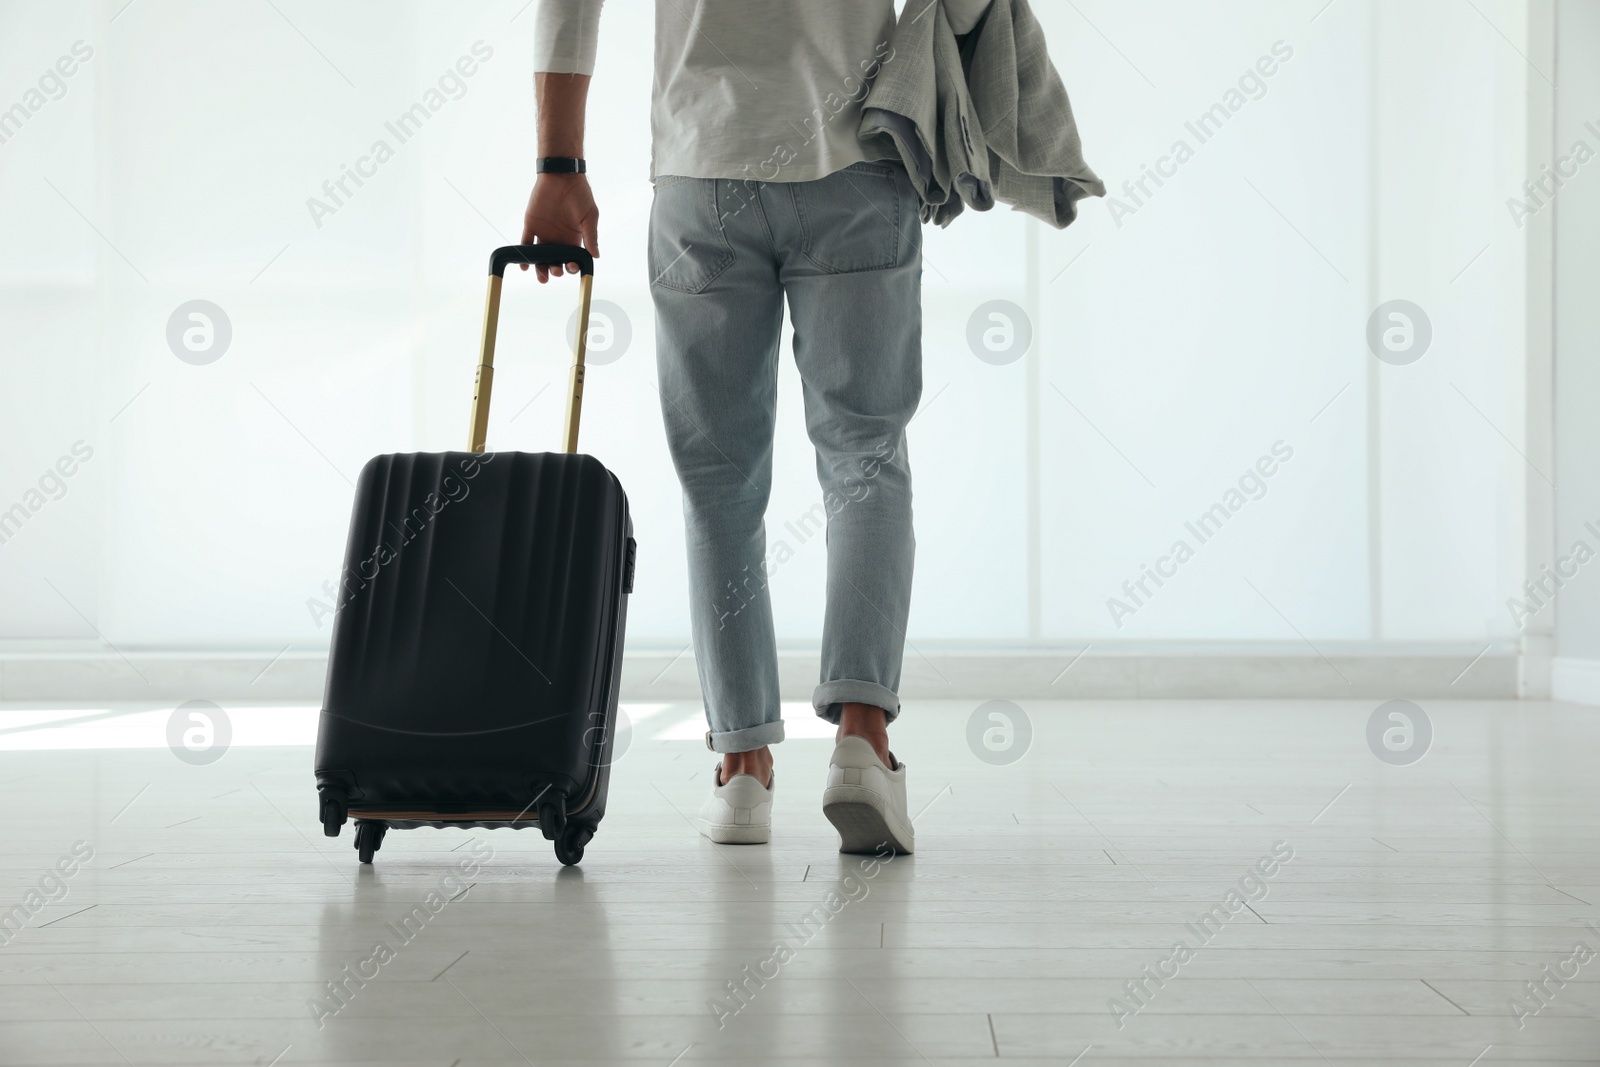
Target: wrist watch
{"x": 561, "y": 165}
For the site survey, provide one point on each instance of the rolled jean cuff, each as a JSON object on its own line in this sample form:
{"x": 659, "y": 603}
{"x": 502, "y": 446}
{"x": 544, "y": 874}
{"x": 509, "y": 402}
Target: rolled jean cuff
{"x": 751, "y": 737}
{"x": 829, "y": 695}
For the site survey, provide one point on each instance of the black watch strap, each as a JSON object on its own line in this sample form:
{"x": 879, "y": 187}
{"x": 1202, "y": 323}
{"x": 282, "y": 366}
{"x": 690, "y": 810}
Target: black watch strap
{"x": 562, "y": 165}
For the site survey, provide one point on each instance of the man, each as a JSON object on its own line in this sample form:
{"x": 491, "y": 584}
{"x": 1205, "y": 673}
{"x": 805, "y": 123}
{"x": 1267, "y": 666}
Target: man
{"x": 763, "y": 191}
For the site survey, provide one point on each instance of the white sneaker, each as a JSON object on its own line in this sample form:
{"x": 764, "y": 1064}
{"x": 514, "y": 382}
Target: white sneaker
{"x": 739, "y": 811}
{"x": 866, "y": 801}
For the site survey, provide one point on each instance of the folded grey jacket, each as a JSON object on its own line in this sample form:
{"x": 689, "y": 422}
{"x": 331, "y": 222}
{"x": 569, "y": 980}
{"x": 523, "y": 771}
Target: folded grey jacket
{"x": 984, "y": 122}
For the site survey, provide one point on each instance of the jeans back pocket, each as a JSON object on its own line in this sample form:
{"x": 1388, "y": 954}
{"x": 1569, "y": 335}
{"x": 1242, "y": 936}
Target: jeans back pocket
{"x": 852, "y": 220}
{"x": 688, "y": 248}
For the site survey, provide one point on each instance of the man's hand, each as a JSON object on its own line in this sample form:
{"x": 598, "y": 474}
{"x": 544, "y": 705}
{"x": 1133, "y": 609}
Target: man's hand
{"x": 561, "y": 210}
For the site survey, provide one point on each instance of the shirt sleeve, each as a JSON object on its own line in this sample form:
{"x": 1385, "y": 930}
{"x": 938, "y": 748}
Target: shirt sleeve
{"x": 565, "y": 35}
{"x": 964, "y": 14}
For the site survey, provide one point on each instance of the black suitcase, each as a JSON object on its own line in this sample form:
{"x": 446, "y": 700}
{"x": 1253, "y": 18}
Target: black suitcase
{"x": 477, "y": 642}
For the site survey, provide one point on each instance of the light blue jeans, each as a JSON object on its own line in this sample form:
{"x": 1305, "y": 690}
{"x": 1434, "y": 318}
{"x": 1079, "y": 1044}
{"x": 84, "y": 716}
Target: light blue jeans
{"x": 846, "y": 251}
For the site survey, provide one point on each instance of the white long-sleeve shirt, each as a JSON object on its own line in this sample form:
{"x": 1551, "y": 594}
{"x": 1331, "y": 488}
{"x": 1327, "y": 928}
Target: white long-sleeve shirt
{"x": 769, "y": 90}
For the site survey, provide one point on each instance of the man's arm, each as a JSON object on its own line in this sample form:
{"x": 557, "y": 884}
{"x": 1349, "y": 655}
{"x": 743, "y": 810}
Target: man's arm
{"x": 561, "y": 208}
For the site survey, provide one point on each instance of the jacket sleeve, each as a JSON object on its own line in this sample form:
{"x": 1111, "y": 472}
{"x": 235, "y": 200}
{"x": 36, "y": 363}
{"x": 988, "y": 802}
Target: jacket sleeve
{"x": 565, "y": 35}
{"x": 963, "y": 15}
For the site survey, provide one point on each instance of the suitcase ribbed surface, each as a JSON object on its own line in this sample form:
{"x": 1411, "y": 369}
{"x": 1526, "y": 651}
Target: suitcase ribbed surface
{"x": 479, "y": 628}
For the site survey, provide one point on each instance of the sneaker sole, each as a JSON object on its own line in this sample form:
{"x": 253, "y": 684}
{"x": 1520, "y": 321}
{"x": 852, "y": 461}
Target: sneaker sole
{"x": 735, "y": 834}
{"x": 863, "y": 830}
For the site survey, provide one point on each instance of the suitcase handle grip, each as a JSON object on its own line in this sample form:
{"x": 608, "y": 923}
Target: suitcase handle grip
{"x": 542, "y": 254}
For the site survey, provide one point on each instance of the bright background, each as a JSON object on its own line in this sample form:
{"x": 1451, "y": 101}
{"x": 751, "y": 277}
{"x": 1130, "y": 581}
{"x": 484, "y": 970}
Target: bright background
{"x": 1173, "y": 347}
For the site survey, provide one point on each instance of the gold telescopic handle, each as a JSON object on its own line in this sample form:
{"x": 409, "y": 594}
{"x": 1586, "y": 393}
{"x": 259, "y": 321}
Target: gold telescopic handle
{"x": 569, "y": 435}
{"x": 483, "y": 383}
{"x": 478, "y": 429}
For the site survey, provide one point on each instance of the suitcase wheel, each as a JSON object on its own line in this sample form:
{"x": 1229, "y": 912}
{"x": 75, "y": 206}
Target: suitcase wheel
{"x": 369, "y": 837}
{"x": 333, "y": 815}
{"x": 553, "y": 820}
{"x": 569, "y": 846}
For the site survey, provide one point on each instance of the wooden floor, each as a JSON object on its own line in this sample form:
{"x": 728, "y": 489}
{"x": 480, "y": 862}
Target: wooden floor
{"x": 1036, "y": 924}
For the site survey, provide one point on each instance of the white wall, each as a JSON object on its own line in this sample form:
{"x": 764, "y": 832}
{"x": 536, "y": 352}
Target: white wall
{"x": 1575, "y": 209}
{"x": 1174, "y": 344}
